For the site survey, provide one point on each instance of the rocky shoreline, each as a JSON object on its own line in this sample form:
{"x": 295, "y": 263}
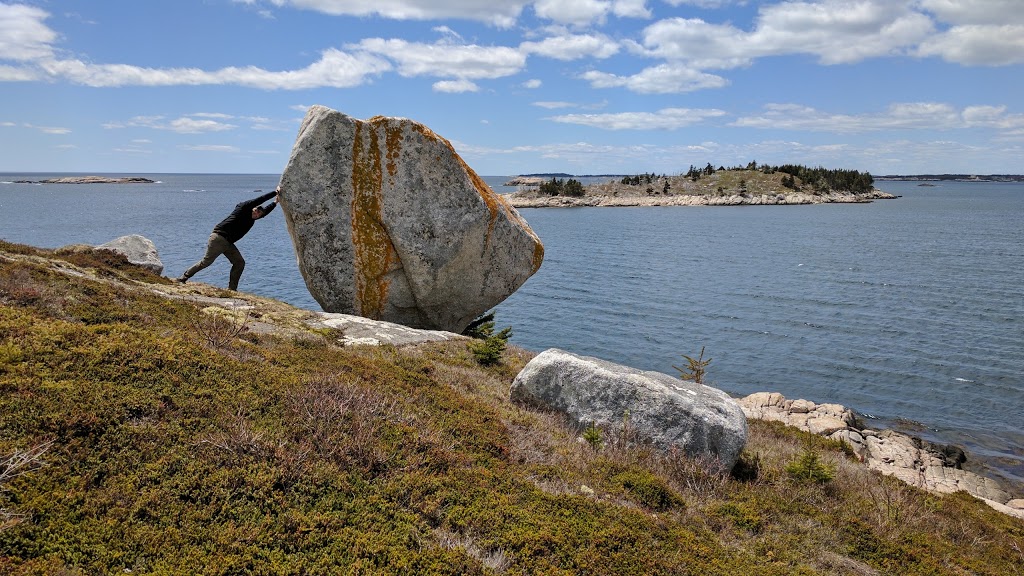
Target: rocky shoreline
{"x": 532, "y": 199}
{"x": 89, "y": 180}
{"x": 932, "y": 467}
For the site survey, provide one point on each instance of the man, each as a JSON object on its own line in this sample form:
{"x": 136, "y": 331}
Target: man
{"x": 229, "y": 231}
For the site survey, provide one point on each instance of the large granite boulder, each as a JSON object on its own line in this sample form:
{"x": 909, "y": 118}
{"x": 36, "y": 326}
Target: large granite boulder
{"x": 665, "y": 411}
{"x": 389, "y": 223}
{"x": 138, "y": 249}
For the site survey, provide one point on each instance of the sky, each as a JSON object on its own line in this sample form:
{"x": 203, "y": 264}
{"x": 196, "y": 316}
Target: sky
{"x": 518, "y": 86}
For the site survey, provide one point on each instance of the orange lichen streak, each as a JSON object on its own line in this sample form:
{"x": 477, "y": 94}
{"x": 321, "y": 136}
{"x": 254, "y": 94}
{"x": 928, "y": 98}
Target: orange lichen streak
{"x": 495, "y": 203}
{"x": 374, "y": 252}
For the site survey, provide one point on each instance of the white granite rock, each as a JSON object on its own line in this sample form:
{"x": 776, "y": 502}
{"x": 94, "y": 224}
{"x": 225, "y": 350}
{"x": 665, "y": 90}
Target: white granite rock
{"x": 665, "y": 411}
{"x": 138, "y": 249}
{"x": 389, "y": 223}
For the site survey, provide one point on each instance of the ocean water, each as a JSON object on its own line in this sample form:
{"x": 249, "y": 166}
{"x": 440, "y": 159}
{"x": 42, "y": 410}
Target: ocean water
{"x": 909, "y": 311}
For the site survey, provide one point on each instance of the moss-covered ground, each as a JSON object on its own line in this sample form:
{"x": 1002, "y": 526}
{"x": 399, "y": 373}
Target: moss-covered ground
{"x": 168, "y": 451}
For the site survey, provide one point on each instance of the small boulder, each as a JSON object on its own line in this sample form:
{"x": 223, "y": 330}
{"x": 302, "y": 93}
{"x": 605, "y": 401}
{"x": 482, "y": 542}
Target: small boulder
{"x": 389, "y": 223}
{"x": 665, "y": 411}
{"x": 138, "y": 249}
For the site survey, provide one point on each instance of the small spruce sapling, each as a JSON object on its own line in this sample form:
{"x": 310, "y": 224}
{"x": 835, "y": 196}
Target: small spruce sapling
{"x": 808, "y": 466}
{"x": 592, "y": 434}
{"x": 695, "y": 369}
{"x": 490, "y": 344}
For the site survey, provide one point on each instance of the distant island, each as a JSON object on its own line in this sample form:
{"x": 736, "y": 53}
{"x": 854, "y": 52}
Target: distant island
{"x": 752, "y": 184}
{"x": 89, "y": 180}
{"x": 955, "y": 177}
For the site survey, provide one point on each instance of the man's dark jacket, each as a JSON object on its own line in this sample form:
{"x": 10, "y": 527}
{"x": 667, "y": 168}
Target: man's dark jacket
{"x": 240, "y": 221}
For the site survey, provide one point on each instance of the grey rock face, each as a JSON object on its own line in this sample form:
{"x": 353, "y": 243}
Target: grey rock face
{"x": 389, "y": 223}
{"x": 667, "y": 411}
{"x": 138, "y": 249}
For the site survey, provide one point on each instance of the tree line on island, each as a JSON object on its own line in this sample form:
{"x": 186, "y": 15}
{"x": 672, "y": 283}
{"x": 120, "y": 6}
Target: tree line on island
{"x": 797, "y": 178}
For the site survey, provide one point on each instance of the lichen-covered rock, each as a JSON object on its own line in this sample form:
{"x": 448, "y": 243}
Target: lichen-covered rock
{"x": 389, "y": 223}
{"x": 138, "y": 249}
{"x": 667, "y": 412}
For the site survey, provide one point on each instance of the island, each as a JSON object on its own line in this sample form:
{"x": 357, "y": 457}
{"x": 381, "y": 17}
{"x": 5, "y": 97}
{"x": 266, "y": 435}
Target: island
{"x": 752, "y": 184}
{"x": 90, "y": 180}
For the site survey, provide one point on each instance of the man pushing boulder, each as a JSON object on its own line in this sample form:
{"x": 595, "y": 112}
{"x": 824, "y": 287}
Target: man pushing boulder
{"x": 229, "y": 231}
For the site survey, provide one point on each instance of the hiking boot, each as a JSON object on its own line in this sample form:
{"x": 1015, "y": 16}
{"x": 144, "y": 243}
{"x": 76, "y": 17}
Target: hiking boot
{"x": 179, "y": 280}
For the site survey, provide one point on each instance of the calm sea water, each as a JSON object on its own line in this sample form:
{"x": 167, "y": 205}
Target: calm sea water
{"x": 909, "y": 311}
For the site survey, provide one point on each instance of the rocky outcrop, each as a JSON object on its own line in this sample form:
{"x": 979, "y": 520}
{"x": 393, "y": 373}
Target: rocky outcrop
{"x": 138, "y": 249}
{"x": 666, "y": 412}
{"x": 525, "y": 181}
{"x": 389, "y": 223}
{"x": 359, "y": 330}
{"x": 91, "y": 180}
{"x": 930, "y": 466}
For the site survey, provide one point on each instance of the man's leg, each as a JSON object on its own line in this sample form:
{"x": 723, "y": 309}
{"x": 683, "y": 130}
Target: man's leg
{"x": 237, "y": 265}
{"x": 216, "y": 246}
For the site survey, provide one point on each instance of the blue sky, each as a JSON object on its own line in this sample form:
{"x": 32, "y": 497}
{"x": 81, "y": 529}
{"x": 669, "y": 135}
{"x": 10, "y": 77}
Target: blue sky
{"x": 518, "y": 86}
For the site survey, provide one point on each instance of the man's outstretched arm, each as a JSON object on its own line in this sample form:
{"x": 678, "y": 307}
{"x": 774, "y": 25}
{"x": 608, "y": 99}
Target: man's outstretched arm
{"x": 250, "y": 204}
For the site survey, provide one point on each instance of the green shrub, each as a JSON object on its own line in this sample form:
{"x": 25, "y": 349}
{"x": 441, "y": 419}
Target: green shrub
{"x": 592, "y": 435}
{"x": 741, "y": 514}
{"x": 490, "y": 345}
{"x": 649, "y": 490}
{"x": 809, "y": 467}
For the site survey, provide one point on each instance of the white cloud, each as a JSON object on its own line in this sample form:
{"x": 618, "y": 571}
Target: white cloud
{"x": 183, "y": 125}
{"x": 555, "y": 105}
{"x": 836, "y": 31}
{"x": 49, "y": 129}
{"x": 704, "y": 3}
{"x": 455, "y": 86}
{"x": 446, "y": 60}
{"x": 209, "y": 148}
{"x": 578, "y": 12}
{"x": 503, "y": 13}
{"x": 8, "y": 124}
{"x": 661, "y": 79}
{"x": 572, "y": 47}
{"x": 533, "y": 84}
{"x": 960, "y": 12}
{"x": 900, "y": 116}
{"x": 976, "y": 45}
{"x": 192, "y": 126}
{"x": 335, "y": 69}
{"x": 665, "y": 119}
{"x": 23, "y": 35}
{"x": 18, "y": 74}
{"x": 630, "y": 9}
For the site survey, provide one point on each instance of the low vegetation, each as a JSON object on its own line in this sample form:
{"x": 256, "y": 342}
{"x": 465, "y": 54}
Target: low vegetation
{"x": 154, "y": 444}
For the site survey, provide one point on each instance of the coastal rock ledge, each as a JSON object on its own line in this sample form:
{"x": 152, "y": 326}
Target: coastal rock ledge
{"x": 389, "y": 223}
{"x": 667, "y": 412}
{"x": 919, "y": 463}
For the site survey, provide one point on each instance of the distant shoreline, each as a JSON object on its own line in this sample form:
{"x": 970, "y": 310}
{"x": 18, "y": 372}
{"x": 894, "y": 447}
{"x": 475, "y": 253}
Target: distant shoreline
{"x": 724, "y": 187}
{"x": 531, "y": 200}
{"x": 89, "y": 180}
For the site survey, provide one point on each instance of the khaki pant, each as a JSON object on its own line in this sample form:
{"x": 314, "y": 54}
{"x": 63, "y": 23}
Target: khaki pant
{"x": 216, "y": 246}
